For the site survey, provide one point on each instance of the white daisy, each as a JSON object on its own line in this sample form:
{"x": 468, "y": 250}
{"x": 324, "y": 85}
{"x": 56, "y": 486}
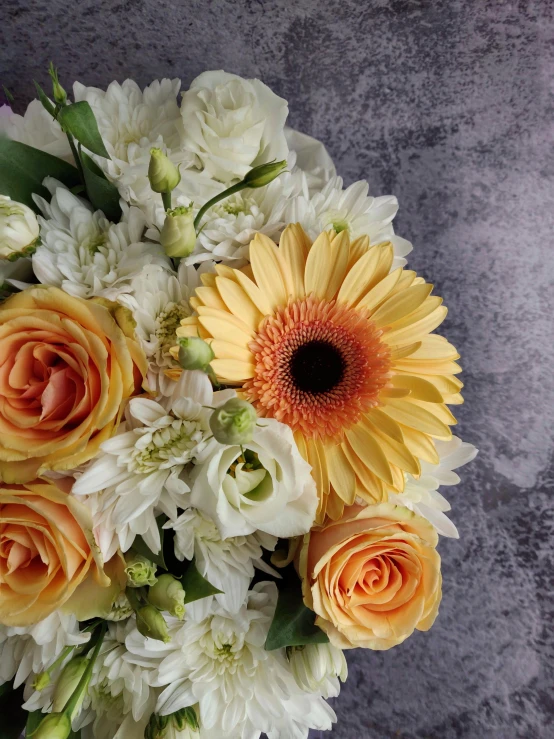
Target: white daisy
{"x": 28, "y": 650}
{"x": 227, "y": 563}
{"x": 229, "y": 227}
{"x": 159, "y": 300}
{"x": 85, "y": 254}
{"x": 137, "y": 473}
{"x": 220, "y": 664}
{"x": 351, "y": 209}
{"x": 131, "y": 121}
{"x": 264, "y": 485}
{"x": 38, "y": 129}
{"x": 421, "y": 494}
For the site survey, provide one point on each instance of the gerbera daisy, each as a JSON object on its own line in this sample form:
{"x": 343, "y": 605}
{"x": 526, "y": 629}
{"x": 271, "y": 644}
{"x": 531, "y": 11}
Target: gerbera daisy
{"x": 328, "y": 340}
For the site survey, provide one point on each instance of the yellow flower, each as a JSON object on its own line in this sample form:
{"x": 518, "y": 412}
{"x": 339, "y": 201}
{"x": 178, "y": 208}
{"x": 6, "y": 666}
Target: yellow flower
{"x": 67, "y": 367}
{"x": 327, "y": 340}
{"x": 47, "y": 550}
{"x": 372, "y": 577}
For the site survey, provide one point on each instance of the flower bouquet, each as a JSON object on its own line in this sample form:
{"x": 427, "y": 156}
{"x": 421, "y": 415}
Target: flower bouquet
{"x": 223, "y": 418}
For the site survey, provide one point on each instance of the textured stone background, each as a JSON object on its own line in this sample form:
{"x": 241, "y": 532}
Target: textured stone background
{"x": 449, "y": 106}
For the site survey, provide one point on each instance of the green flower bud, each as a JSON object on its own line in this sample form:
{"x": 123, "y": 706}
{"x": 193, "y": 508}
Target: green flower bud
{"x": 150, "y": 622}
{"x": 194, "y": 353}
{"x": 234, "y": 422}
{"x": 178, "y": 235}
{"x": 53, "y": 726}
{"x": 162, "y": 173}
{"x": 140, "y": 571}
{"x": 264, "y": 174}
{"x": 184, "y": 721}
{"x": 168, "y": 595}
{"x": 41, "y": 681}
{"x": 68, "y": 682}
{"x": 60, "y": 95}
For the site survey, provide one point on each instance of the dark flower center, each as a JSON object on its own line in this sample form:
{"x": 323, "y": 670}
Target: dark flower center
{"x": 317, "y": 367}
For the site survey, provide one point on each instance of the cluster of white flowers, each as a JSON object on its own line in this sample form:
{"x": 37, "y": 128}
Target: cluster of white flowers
{"x": 224, "y": 505}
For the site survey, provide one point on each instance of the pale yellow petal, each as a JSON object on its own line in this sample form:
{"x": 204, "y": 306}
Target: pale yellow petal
{"x": 294, "y": 248}
{"x": 401, "y": 305}
{"x": 439, "y": 410}
{"x": 225, "y": 329}
{"x": 358, "y": 248}
{"x": 396, "y": 452}
{"x": 361, "y": 277}
{"x": 400, "y": 352}
{"x": 210, "y": 297}
{"x": 318, "y": 267}
{"x": 239, "y": 303}
{"x": 419, "y": 388}
{"x": 368, "y": 449}
{"x": 340, "y": 252}
{"x": 341, "y": 474}
{"x": 260, "y": 300}
{"x": 269, "y": 267}
{"x": 233, "y": 370}
{"x": 381, "y": 291}
{"x": 371, "y": 487}
{"x": 416, "y": 331}
{"x": 416, "y": 417}
{"x": 385, "y": 424}
{"x": 227, "y": 350}
{"x": 436, "y": 347}
{"x": 420, "y": 445}
{"x": 420, "y": 313}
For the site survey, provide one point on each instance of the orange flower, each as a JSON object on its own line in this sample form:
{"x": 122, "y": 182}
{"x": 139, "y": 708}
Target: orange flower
{"x": 373, "y": 576}
{"x": 47, "y": 550}
{"x": 67, "y": 367}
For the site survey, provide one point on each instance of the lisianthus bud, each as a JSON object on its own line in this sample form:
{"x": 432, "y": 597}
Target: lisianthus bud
{"x": 178, "y": 235}
{"x": 168, "y": 595}
{"x": 18, "y": 229}
{"x": 140, "y": 571}
{"x": 316, "y": 666}
{"x": 182, "y": 724}
{"x": 150, "y": 622}
{"x": 60, "y": 95}
{"x": 162, "y": 173}
{"x": 194, "y": 353}
{"x": 41, "y": 681}
{"x": 68, "y": 682}
{"x": 234, "y": 422}
{"x": 53, "y": 726}
{"x": 264, "y": 174}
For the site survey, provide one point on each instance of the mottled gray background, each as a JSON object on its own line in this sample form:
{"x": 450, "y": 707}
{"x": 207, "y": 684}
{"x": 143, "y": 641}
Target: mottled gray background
{"x": 449, "y": 106}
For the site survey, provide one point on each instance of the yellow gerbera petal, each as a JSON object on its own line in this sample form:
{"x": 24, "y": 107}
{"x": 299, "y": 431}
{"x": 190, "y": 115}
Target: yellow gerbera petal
{"x": 369, "y": 451}
{"x": 238, "y": 302}
{"x": 418, "y": 387}
{"x": 210, "y": 297}
{"x": 381, "y": 291}
{"x": 341, "y": 474}
{"x": 365, "y": 273}
{"x": 416, "y": 417}
{"x": 340, "y": 250}
{"x": 399, "y": 306}
{"x": 418, "y": 330}
{"x": 318, "y": 267}
{"x": 227, "y": 350}
{"x": 233, "y": 370}
{"x": 397, "y": 453}
{"x": 268, "y": 267}
{"x": 420, "y": 445}
{"x": 295, "y": 246}
{"x": 225, "y": 329}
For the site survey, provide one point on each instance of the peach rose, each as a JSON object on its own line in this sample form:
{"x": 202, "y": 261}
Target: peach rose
{"x": 47, "y": 550}
{"x": 67, "y": 367}
{"x": 373, "y": 576}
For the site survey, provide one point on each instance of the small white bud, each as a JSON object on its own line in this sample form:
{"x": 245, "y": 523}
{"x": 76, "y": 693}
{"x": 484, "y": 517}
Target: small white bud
{"x": 234, "y": 422}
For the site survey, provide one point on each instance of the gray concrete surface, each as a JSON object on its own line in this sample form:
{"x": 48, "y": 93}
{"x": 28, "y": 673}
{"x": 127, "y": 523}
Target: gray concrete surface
{"x": 449, "y": 106}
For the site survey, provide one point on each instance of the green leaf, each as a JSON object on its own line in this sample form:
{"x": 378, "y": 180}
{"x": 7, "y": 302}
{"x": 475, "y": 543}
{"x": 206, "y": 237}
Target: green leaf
{"x": 140, "y": 546}
{"x": 12, "y": 716}
{"x": 78, "y": 120}
{"x": 34, "y": 720}
{"x": 43, "y": 97}
{"x": 9, "y": 97}
{"x": 293, "y": 624}
{"x": 196, "y": 586}
{"x": 102, "y": 193}
{"x": 23, "y": 168}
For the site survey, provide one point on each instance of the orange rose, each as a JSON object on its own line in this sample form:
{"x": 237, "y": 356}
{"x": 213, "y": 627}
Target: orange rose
{"x": 67, "y": 367}
{"x": 373, "y": 576}
{"x": 46, "y": 550}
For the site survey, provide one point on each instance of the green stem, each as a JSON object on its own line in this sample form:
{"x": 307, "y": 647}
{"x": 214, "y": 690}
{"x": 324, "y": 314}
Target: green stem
{"x": 75, "y": 697}
{"x": 64, "y": 653}
{"x": 222, "y": 195}
{"x": 166, "y": 200}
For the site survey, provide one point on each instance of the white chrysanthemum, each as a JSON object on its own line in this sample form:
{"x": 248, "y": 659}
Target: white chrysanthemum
{"x": 159, "y": 300}
{"x": 351, "y": 209}
{"x": 137, "y": 473}
{"x": 220, "y": 664}
{"x": 421, "y": 495}
{"x": 29, "y": 650}
{"x": 131, "y": 121}
{"x": 227, "y": 563}
{"x": 264, "y": 485}
{"x": 37, "y": 128}
{"x": 85, "y": 254}
{"x": 229, "y": 227}
{"x": 318, "y": 667}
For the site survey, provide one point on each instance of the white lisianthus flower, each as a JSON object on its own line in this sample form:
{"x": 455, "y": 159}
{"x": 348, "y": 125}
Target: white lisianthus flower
{"x": 137, "y": 473}
{"x": 227, "y": 563}
{"x": 85, "y": 254}
{"x": 26, "y": 651}
{"x": 318, "y": 667}
{"x": 233, "y": 124}
{"x": 264, "y": 485}
{"x": 229, "y": 227}
{"x": 312, "y": 158}
{"x": 19, "y": 228}
{"x": 38, "y": 129}
{"x": 220, "y": 664}
{"x": 352, "y": 210}
{"x": 158, "y": 300}
{"x": 421, "y": 494}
